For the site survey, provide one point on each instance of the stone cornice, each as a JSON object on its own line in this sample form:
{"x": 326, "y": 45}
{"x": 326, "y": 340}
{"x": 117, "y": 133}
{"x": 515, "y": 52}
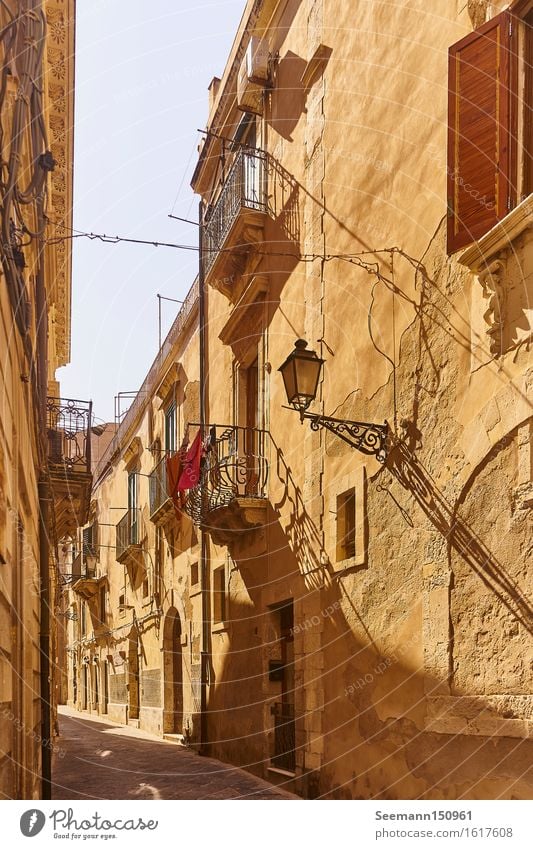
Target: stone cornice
{"x": 257, "y": 287}
{"x": 499, "y": 239}
{"x": 59, "y": 100}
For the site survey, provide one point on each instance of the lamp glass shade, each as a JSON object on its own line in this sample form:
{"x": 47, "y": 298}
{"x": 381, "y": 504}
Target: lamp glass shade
{"x": 301, "y": 373}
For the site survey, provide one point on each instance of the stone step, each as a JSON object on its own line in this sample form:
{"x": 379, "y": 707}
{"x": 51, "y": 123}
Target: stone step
{"x": 178, "y": 739}
{"x": 135, "y": 723}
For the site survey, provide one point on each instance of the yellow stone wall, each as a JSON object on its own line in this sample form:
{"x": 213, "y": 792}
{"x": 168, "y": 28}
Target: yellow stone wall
{"x": 21, "y": 449}
{"x": 144, "y": 626}
{"x": 416, "y": 652}
{"x": 407, "y": 659}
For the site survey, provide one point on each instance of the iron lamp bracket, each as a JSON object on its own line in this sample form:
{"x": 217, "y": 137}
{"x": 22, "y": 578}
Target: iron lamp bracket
{"x": 367, "y": 437}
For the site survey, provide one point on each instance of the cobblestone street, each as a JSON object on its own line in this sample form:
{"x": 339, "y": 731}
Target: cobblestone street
{"x": 96, "y": 759}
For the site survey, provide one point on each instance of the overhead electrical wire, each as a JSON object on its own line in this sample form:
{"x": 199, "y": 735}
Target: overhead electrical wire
{"x": 116, "y": 240}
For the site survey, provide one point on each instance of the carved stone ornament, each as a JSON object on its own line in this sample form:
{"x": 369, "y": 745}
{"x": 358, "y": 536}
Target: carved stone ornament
{"x": 60, "y": 95}
{"x": 493, "y": 282}
{"x": 477, "y": 10}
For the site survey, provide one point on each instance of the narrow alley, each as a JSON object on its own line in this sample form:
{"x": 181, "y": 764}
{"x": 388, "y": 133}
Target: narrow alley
{"x": 95, "y": 759}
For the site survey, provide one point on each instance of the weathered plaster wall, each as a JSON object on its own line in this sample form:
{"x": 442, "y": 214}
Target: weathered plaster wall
{"x": 390, "y": 643}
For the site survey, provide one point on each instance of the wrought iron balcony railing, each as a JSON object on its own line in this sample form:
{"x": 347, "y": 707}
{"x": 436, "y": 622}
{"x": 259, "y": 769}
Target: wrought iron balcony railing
{"x": 83, "y": 568}
{"x": 128, "y": 532}
{"x": 158, "y": 486}
{"x": 69, "y": 435}
{"x": 80, "y": 568}
{"x": 234, "y": 467}
{"x": 245, "y": 187}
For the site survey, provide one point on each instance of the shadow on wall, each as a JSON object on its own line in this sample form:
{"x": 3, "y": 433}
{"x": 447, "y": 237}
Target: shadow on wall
{"x": 302, "y": 535}
{"x": 409, "y": 471}
{"x": 371, "y": 704}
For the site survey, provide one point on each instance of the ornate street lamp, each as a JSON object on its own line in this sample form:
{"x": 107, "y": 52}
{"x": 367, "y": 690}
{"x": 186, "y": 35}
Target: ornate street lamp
{"x": 301, "y": 373}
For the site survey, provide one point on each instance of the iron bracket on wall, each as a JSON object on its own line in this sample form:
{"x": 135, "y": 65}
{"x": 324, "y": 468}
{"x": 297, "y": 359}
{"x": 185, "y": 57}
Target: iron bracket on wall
{"x": 364, "y": 436}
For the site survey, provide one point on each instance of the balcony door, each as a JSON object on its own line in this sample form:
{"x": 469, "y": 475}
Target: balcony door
{"x": 132, "y": 508}
{"x": 252, "y": 170}
{"x": 249, "y": 421}
{"x": 170, "y": 428}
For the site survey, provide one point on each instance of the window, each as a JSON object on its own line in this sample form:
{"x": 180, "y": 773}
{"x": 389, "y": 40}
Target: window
{"x": 219, "y": 595}
{"x": 170, "y": 428}
{"x": 103, "y": 605}
{"x": 159, "y": 558}
{"x": 88, "y": 541}
{"x": 89, "y": 549}
{"x": 132, "y": 490}
{"x": 346, "y": 525}
{"x": 122, "y": 604}
{"x": 194, "y": 574}
{"x": 146, "y": 588}
{"x": 489, "y": 124}
{"x": 132, "y": 509}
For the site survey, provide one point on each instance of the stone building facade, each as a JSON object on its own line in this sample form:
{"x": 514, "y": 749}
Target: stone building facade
{"x": 357, "y": 628}
{"x": 130, "y": 648}
{"x": 42, "y": 486}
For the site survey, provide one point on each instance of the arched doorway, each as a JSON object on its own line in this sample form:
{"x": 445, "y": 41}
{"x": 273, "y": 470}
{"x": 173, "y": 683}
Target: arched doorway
{"x": 173, "y": 674}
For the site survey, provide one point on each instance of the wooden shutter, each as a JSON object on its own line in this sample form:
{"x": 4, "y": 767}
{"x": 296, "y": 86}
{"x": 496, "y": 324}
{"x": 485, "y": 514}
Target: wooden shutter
{"x": 481, "y": 136}
{"x": 88, "y": 541}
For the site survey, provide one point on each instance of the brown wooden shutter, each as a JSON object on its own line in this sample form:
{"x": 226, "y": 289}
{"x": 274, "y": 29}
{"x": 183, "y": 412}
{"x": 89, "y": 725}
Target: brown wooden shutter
{"x": 482, "y": 87}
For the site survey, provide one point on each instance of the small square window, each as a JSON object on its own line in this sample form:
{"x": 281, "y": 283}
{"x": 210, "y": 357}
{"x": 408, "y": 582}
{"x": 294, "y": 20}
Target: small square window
{"x": 346, "y": 525}
{"x": 194, "y": 574}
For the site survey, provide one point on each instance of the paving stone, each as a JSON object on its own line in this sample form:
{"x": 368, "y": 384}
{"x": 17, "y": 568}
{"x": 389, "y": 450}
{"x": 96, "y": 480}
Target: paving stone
{"x": 100, "y": 760}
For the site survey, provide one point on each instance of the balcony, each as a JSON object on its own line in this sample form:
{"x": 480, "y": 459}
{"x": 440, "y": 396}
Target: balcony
{"x": 236, "y": 219}
{"x": 84, "y": 579}
{"x": 69, "y": 461}
{"x": 161, "y": 505}
{"x": 231, "y": 498}
{"x": 128, "y": 538}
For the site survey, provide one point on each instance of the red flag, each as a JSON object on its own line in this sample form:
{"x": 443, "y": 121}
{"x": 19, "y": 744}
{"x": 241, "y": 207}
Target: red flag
{"x": 173, "y": 476}
{"x": 190, "y": 466}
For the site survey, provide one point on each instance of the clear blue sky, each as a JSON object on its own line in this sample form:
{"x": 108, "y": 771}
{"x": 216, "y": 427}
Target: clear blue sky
{"x": 142, "y": 72}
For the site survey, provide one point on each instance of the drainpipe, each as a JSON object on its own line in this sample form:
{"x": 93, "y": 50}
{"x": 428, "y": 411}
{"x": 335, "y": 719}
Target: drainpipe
{"x": 44, "y": 541}
{"x": 46, "y": 706}
{"x": 204, "y": 552}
